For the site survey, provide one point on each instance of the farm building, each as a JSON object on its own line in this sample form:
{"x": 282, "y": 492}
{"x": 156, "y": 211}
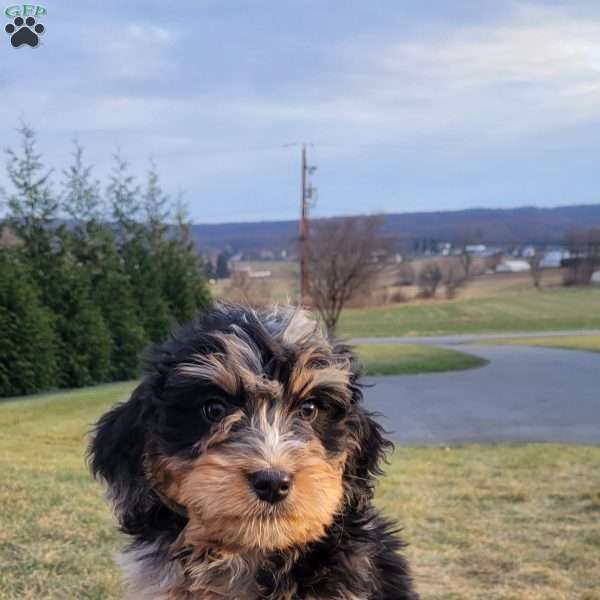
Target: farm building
{"x": 513, "y": 266}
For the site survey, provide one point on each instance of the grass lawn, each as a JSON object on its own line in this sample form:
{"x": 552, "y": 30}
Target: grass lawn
{"x": 499, "y": 522}
{"x": 552, "y": 309}
{"x": 404, "y": 359}
{"x": 590, "y": 343}
{"x": 495, "y": 522}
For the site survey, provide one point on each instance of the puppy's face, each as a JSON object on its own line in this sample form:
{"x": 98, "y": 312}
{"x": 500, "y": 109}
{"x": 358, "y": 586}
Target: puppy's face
{"x": 255, "y": 456}
{"x": 249, "y": 429}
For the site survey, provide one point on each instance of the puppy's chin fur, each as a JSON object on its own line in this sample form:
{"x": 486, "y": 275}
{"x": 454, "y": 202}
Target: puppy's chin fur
{"x": 179, "y": 482}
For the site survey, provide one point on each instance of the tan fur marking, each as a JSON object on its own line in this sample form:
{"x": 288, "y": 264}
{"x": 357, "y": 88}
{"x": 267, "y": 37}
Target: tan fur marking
{"x": 213, "y": 368}
{"x": 300, "y": 328}
{"x": 236, "y": 369}
{"x": 314, "y": 369}
{"x": 224, "y": 511}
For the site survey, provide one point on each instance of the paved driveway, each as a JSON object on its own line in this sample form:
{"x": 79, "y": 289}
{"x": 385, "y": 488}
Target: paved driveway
{"x": 523, "y": 395}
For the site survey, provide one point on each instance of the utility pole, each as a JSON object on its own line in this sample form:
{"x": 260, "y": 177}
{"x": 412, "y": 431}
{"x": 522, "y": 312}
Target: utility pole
{"x": 307, "y": 193}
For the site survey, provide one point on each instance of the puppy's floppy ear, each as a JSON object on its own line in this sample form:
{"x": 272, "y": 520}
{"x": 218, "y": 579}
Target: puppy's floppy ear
{"x": 370, "y": 444}
{"x": 371, "y": 449}
{"x": 116, "y": 456}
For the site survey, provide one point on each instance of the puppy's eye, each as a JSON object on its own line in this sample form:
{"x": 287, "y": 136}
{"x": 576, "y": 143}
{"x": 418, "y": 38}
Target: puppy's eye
{"x": 214, "y": 410}
{"x": 308, "y": 410}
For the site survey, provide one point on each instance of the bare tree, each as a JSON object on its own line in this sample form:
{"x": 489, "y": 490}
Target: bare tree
{"x": 536, "y": 269}
{"x": 345, "y": 257}
{"x": 466, "y": 260}
{"x": 405, "y": 274}
{"x": 454, "y": 278}
{"x": 492, "y": 261}
{"x": 584, "y": 259}
{"x": 468, "y": 236}
{"x": 430, "y": 277}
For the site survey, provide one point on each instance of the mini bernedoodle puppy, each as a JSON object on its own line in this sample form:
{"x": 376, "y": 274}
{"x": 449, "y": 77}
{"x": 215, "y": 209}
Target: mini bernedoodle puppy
{"x": 243, "y": 468}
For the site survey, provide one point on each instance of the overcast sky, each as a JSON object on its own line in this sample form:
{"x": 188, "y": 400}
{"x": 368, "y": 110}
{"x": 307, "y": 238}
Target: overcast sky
{"x": 409, "y": 105}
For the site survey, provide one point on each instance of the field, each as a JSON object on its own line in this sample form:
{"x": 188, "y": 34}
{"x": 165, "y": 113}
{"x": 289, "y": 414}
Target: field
{"x": 499, "y": 522}
{"x": 405, "y": 359}
{"x": 550, "y": 310}
{"x": 488, "y": 304}
{"x": 496, "y": 522}
{"x": 282, "y": 286}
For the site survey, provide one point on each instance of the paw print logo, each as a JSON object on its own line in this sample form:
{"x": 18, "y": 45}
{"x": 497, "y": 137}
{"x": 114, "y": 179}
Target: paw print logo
{"x": 24, "y": 32}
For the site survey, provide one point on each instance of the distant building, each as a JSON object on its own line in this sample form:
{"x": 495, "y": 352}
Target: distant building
{"x": 513, "y": 266}
{"x": 446, "y": 249}
{"x": 476, "y": 249}
{"x": 239, "y": 267}
{"x": 528, "y": 252}
{"x": 553, "y": 259}
{"x": 259, "y": 274}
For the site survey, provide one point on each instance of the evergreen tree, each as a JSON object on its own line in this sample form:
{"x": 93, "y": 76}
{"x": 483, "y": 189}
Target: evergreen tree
{"x": 81, "y": 199}
{"x": 184, "y": 284}
{"x": 222, "y": 271}
{"x": 27, "y": 343}
{"x": 110, "y": 289}
{"x": 79, "y": 303}
{"x": 140, "y": 259}
{"x": 32, "y": 206}
{"x": 115, "y": 295}
{"x": 156, "y": 209}
{"x": 123, "y": 196}
{"x": 84, "y": 339}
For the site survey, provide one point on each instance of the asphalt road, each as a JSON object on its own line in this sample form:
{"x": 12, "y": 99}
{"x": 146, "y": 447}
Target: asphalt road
{"x": 524, "y": 394}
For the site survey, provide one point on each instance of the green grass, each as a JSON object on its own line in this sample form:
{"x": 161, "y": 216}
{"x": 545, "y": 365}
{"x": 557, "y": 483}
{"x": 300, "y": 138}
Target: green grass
{"x": 590, "y": 343}
{"x": 56, "y": 535}
{"x": 484, "y": 522}
{"x": 499, "y": 522}
{"x": 553, "y": 309}
{"x": 405, "y": 359}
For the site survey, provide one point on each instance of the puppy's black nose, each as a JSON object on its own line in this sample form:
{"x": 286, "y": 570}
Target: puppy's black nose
{"x": 270, "y": 485}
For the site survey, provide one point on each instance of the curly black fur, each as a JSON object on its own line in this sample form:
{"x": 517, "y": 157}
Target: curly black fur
{"x": 358, "y": 557}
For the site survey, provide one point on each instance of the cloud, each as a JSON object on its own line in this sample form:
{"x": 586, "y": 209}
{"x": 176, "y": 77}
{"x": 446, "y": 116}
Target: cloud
{"x": 150, "y": 33}
{"x": 214, "y": 96}
{"x": 537, "y": 71}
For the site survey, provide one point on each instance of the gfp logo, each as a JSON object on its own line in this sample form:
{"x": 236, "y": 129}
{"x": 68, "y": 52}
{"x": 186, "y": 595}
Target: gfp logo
{"x": 24, "y": 30}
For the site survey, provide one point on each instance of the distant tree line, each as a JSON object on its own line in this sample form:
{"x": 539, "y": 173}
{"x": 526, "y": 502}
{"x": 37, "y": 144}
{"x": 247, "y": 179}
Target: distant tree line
{"x": 89, "y": 274}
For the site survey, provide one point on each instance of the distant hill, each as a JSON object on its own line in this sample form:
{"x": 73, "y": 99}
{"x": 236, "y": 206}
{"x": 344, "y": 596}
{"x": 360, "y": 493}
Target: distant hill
{"x": 504, "y": 227}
